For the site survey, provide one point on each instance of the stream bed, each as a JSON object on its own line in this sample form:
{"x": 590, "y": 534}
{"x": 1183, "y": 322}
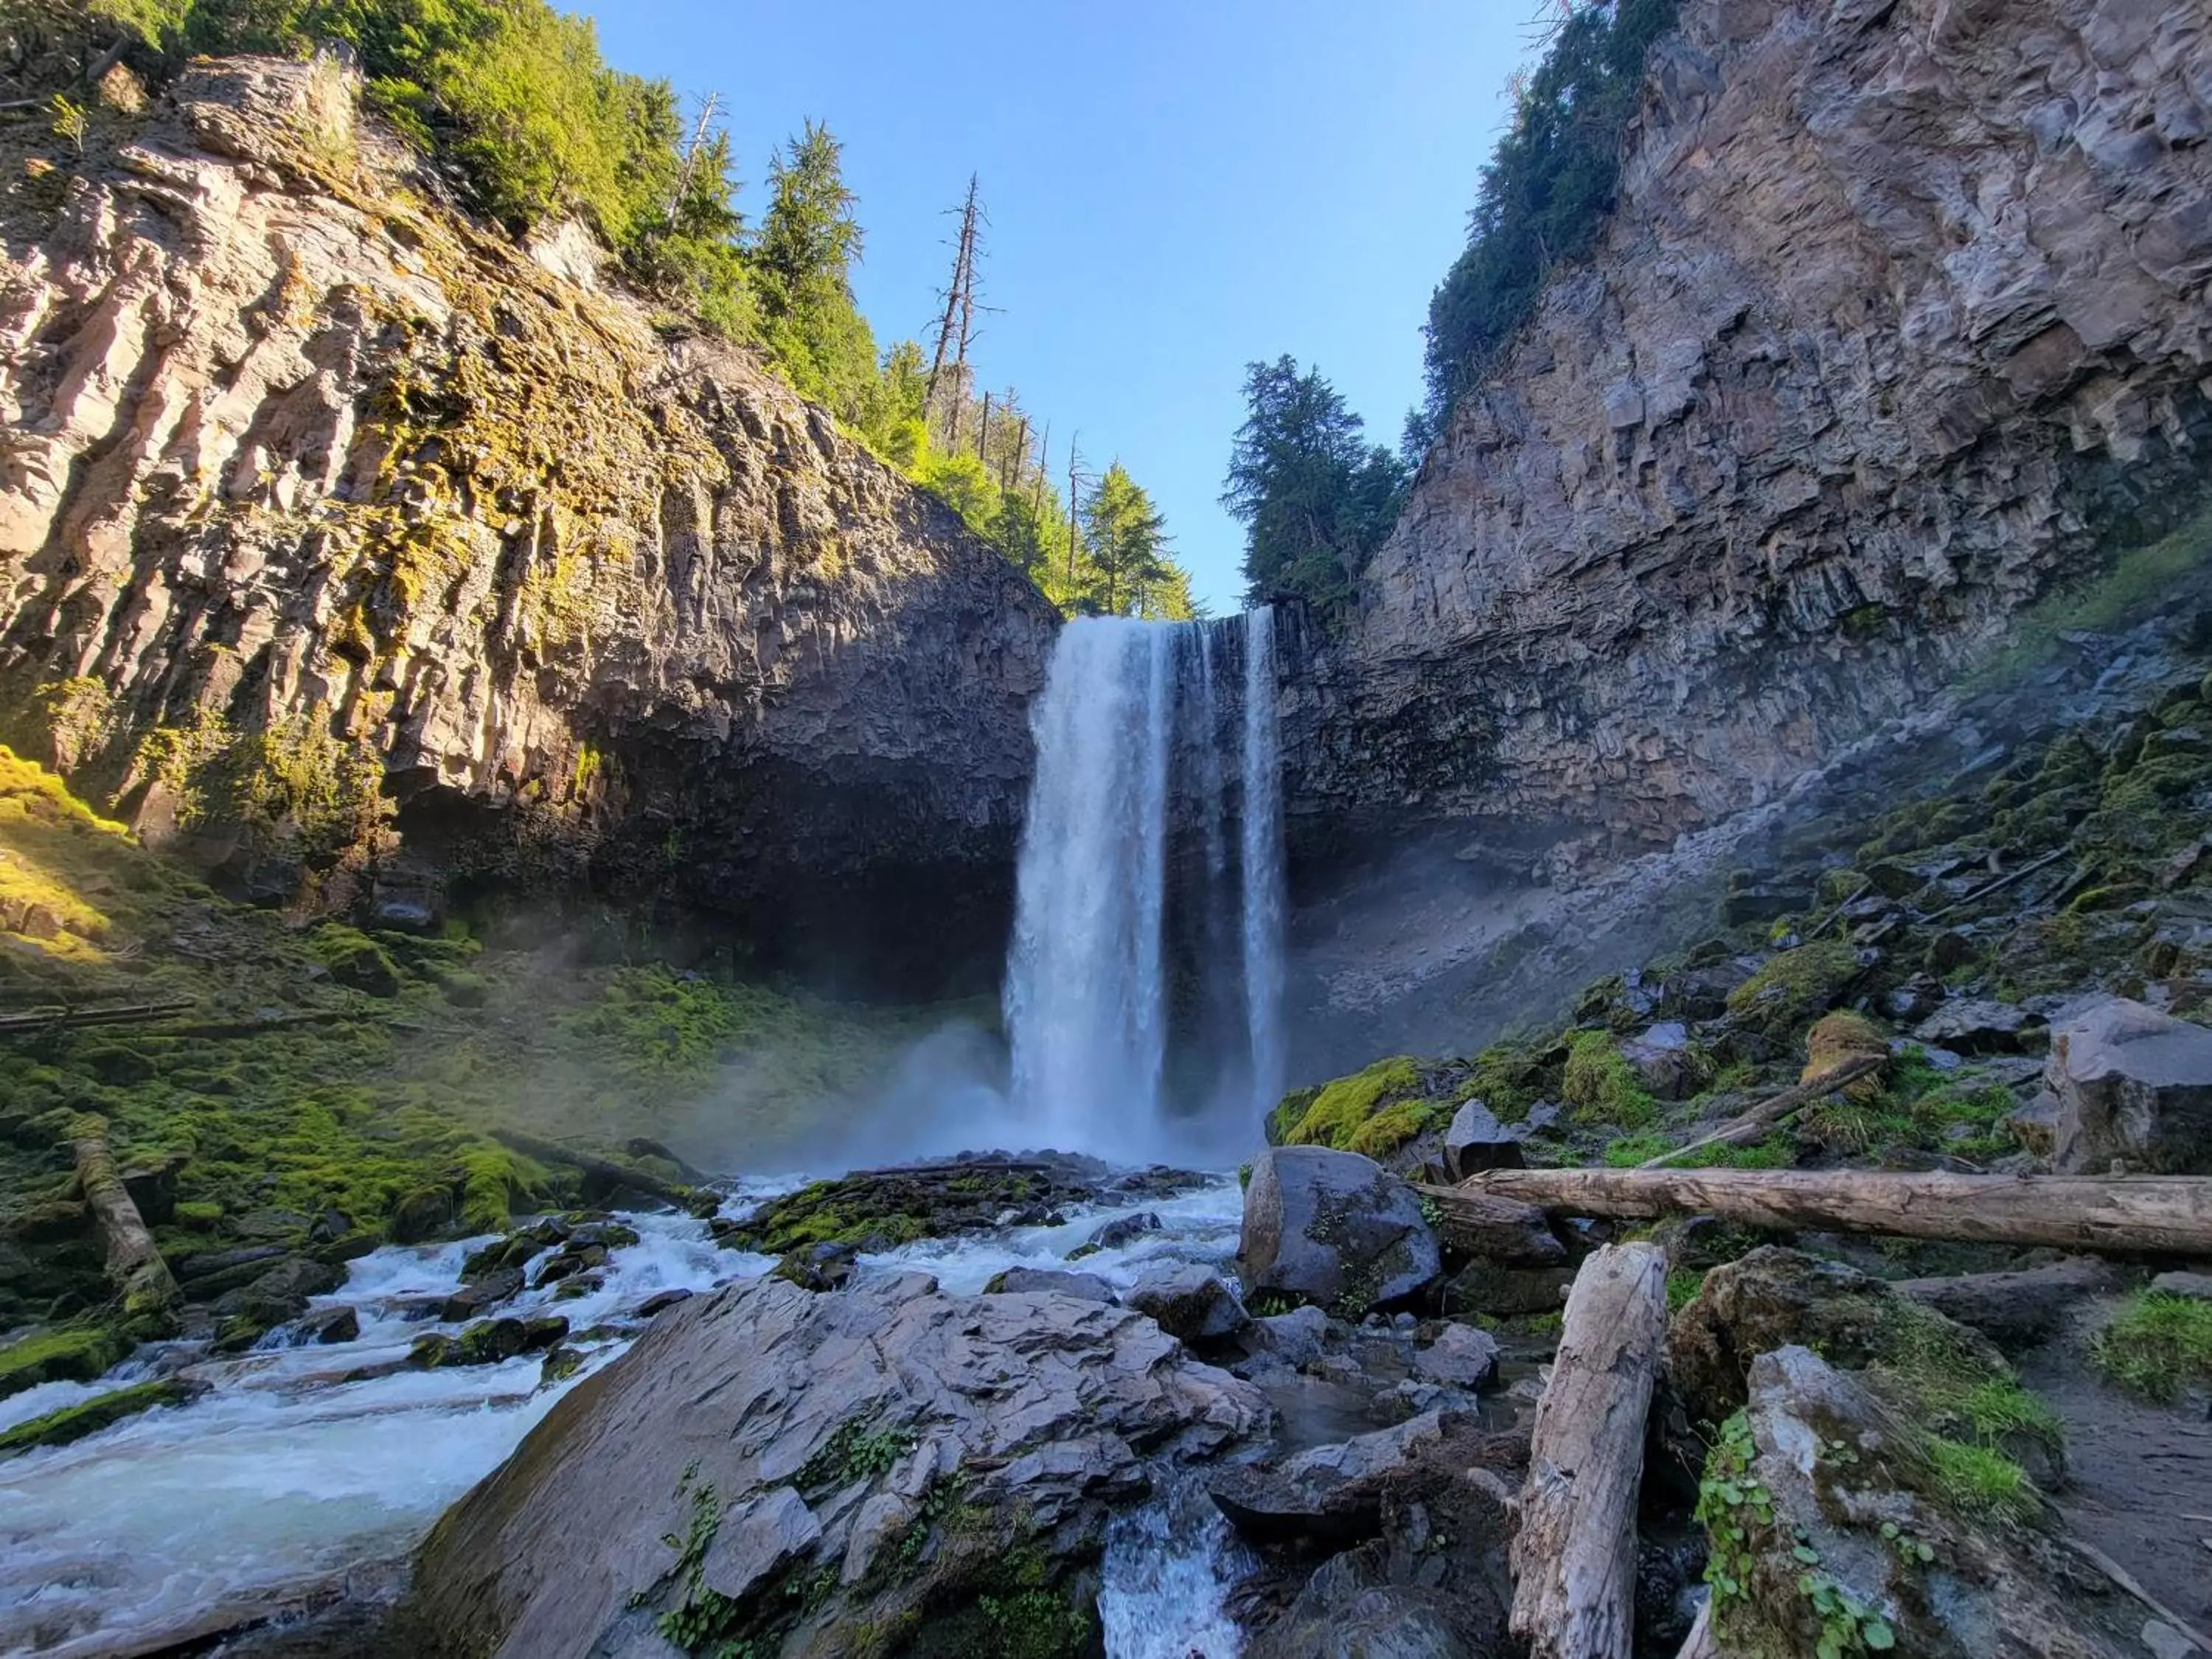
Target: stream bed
{"x": 288, "y": 1486}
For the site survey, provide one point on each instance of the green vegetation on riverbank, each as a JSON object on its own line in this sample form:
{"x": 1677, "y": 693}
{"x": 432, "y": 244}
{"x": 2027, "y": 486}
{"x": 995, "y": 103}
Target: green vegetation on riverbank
{"x": 307, "y": 1086}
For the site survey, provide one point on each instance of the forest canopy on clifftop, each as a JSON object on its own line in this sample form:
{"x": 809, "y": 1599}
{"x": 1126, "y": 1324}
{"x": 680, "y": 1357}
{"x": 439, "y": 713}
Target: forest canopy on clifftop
{"x": 1547, "y": 191}
{"x": 532, "y": 126}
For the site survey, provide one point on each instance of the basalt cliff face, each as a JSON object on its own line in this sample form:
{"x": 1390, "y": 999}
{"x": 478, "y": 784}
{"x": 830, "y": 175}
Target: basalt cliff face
{"x": 1901, "y": 317}
{"x": 314, "y": 494}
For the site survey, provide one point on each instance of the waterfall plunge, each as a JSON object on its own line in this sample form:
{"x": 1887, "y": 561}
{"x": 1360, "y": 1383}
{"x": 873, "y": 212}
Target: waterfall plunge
{"x": 1126, "y": 892}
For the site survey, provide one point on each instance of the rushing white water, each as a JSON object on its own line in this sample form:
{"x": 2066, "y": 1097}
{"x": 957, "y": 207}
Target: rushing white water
{"x": 1129, "y": 738}
{"x": 1265, "y": 899}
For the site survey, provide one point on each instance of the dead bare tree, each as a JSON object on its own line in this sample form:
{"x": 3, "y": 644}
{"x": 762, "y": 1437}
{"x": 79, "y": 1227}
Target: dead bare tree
{"x": 709, "y": 105}
{"x": 956, "y": 327}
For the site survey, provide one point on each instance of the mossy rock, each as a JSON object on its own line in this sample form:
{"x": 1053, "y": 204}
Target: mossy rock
{"x": 1791, "y": 989}
{"x": 1602, "y": 1087}
{"x": 357, "y": 960}
{"x": 89, "y": 1417}
{"x": 71, "y": 1353}
{"x": 1372, "y": 1112}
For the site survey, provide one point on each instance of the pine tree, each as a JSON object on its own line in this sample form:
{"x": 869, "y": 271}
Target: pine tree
{"x": 802, "y": 271}
{"x": 1316, "y": 499}
{"x": 1127, "y": 540}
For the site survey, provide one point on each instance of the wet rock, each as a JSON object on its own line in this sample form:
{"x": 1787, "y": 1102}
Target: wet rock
{"x": 2197, "y": 1287}
{"x": 1189, "y": 1304}
{"x": 1117, "y": 1234}
{"x": 339, "y": 1324}
{"x": 488, "y": 1341}
{"x": 1088, "y": 1287}
{"x": 1849, "y": 1489}
{"x": 489, "y": 1291}
{"x": 1476, "y": 1141}
{"x": 331, "y": 1226}
{"x": 1295, "y": 1338}
{"x": 2015, "y": 1311}
{"x": 280, "y": 1291}
{"x": 561, "y": 1364}
{"x": 271, "y": 1223}
{"x": 1329, "y": 1493}
{"x": 1349, "y": 1609}
{"x": 579, "y": 1286}
{"x": 849, "y": 1422}
{"x": 426, "y": 1213}
{"x": 498, "y": 1257}
{"x": 1334, "y": 1228}
{"x": 153, "y": 1188}
{"x": 2130, "y": 1085}
{"x": 661, "y": 1301}
{"x": 818, "y": 1267}
{"x": 209, "y": 1274}
{"x": 1974, "y": 1026}
{"x": 1462, "y": 1357}
{"x": 1486, "y": 1287}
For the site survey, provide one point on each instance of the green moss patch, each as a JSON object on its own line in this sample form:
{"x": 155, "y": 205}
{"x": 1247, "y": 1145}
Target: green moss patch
{"x": 75, "y": 1353}
{"x": 1602, "y": 1087}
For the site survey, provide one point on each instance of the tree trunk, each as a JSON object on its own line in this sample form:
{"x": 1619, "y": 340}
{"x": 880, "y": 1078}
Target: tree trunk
{"x": 135, "y": 1266}
{"x": 1754, "y": 1123}
{"x": 2165, "y": 1214}
{"x": 1574, "y": 1544}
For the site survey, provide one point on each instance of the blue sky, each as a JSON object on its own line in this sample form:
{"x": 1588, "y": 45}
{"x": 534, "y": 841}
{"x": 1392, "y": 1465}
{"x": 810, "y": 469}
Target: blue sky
{"x": 1174, "y": 189}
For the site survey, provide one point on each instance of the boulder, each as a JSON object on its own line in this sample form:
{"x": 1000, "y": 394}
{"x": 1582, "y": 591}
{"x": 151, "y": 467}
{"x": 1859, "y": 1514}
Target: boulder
{"x": 1973, "y": 1025}
{"x": 1117, "y": 1234}
{"x": 473, "y": 1299}
{"x": 2196, "y": 1287}
{"x": 1462, "y": 1357}
{"x": 825, "y": 1266}
{"x": 425, "y": 1213}
{"x": 2015, "y": 1311}
{"x": 1845, "y": 1519}
{"x": 1485, "y": 1287}
{"x": 1351, "y": 1608}
{"x": 1775, "y": 1296}
{"x": 338, "y": 1324}
{"x": 2132, "y": 1085}
{"x": 1476, "y": 1141}
{"x": 1327, "y": 1494}
{"x": 769, "y": 1470}
{"x": 1087, "y": 1286}
{"x": 1189, "y": 1304}
{"x": 1335, "y": 1229}
{"x": 1662, "y": 1058}
{"x": 661, "y": 1301}
{"x": 1295, "y": 1338}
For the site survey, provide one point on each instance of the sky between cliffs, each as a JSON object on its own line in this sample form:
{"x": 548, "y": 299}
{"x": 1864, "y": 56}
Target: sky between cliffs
{"x": 1176, "y": 187}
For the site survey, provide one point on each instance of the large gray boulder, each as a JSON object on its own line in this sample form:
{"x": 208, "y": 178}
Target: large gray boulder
{"x": 2131, "y": 1084}
{"x": 1332, "y": 1493}
{"x": 1476, "y": 1141}
{"x": 1334, "y": 1228}
{"x": 1844, "y": 1477}
{"x": 770, "y": 1470}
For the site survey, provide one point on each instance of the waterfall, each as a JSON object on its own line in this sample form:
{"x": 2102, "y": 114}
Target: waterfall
{"x": 1130, "y": 818}
{"x": 1264, "y": 898}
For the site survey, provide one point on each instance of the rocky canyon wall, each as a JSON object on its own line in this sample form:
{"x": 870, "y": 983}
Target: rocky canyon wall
{"x": 1902, "y": 317}
{"x": 293, "y": 451}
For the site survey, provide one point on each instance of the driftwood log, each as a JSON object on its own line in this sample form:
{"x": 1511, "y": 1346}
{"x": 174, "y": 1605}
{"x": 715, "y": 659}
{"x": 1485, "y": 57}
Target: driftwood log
{"x": 1764, "y": 1116}
{"x": 1574, "y": 1543}
{"x": 134, "y": 1266}
{"x": 2165, "y": 1214}
{"x": 605, "y": 1169}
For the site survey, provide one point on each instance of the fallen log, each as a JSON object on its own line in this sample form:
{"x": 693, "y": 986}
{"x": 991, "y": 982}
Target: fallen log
{"x": 1573, "y": 1556}
{"x": 134, "y": 1265}
{"x": 1699, "y": 1644}
{"x": 1768, "y": 1112}
{"x": 57, "y": 1019}
{"x": 2127, "y": 1214}
{"x": 600, "y": 1169}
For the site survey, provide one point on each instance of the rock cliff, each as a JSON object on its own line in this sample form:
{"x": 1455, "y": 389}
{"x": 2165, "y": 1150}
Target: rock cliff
{"x": 316, "y": 498}
{"x": 1900, "y": 320}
